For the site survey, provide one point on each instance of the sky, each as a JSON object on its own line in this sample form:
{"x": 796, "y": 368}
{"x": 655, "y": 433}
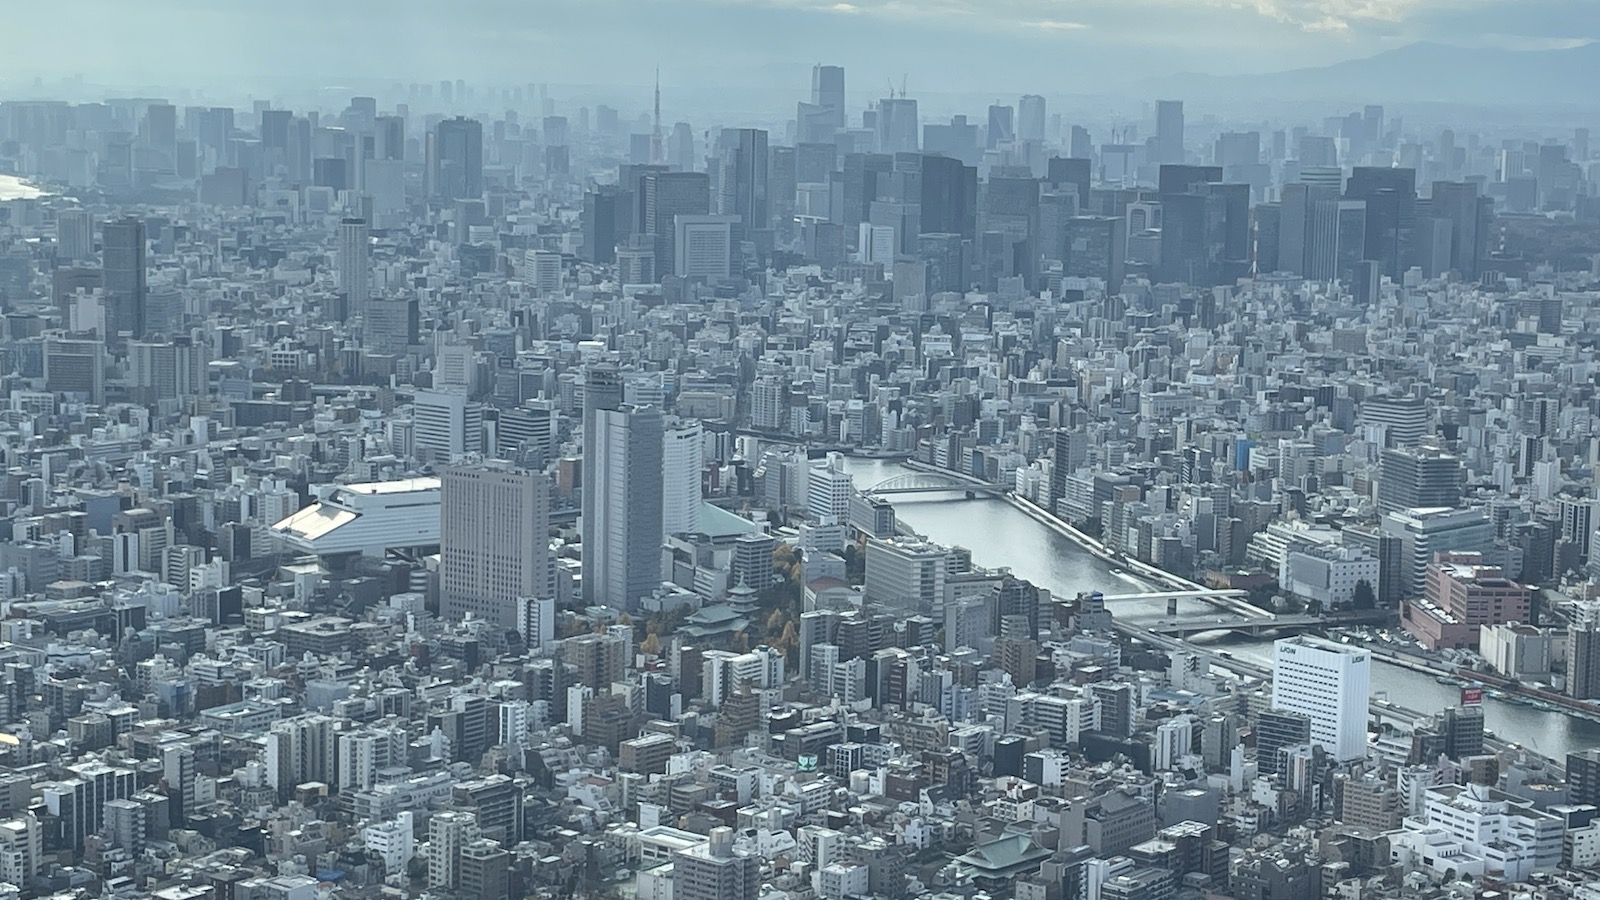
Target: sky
{"x": 1047, "y": 46}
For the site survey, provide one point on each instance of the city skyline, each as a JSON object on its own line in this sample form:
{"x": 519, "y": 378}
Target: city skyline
{"x": 1077, "y": 48}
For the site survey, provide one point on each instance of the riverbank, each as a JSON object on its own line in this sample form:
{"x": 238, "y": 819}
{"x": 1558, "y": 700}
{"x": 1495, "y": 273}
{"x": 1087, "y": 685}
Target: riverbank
{"x": 1001, "y": 534}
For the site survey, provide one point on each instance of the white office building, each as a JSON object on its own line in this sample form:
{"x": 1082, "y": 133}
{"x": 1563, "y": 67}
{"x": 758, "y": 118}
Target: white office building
{"x": 1477, "y": 830}
{"x": 536, "y": 622}
{"x": 1426, "y": 531}
{"x": 705, "y": 246}
{"x": 544, "y": 271}
{"x": 447, "y": 423}
{"x": 393, "y": 841}
{"x": 903, "y": 573}
{"x": 682, "y": 459}
{"x": 828, "y": 491}
{"x": 877, "y": 243}
{"x": 1329, "y": 683}
{"x": 1328, "y": 573}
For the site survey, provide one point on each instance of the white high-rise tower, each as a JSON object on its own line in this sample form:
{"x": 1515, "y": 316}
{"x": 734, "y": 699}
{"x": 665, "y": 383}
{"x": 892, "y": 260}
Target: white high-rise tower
{"x": 1329, "y": 683}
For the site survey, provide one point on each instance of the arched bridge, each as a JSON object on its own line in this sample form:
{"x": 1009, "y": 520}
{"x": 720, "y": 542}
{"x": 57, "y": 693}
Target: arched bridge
{"x": 929, "y": 482}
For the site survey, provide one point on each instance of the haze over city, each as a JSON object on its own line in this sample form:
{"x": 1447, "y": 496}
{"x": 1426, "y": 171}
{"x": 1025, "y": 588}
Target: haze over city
{"x": 800, "y": 450}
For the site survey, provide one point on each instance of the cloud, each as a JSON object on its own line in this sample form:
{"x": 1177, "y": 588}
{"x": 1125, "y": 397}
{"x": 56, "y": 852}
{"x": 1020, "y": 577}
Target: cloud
{"x": 1058, "y": 25}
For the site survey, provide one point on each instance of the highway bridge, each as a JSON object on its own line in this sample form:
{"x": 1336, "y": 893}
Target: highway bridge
{"x": 1255, "y": 625}
{"x": 1233, "y": 602}
{"x": 930, "y": 482}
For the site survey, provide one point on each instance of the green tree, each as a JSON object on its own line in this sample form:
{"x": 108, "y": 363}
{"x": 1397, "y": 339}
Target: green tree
{"x": 1261, "y": 595}
{"x": 1365, "y": 598}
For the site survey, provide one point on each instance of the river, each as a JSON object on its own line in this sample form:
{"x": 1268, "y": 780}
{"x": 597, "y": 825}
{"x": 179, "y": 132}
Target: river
{"x": 14, "y": 188}
{"x": 1001, "y": 536}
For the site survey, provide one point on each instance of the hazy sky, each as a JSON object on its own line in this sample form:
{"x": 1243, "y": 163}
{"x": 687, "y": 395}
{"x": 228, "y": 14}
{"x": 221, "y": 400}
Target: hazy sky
{"x": 1051, "y": 46}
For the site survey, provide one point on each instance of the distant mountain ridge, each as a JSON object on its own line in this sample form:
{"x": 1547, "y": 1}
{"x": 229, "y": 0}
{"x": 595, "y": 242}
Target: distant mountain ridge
{"x": 1421, "y": 72}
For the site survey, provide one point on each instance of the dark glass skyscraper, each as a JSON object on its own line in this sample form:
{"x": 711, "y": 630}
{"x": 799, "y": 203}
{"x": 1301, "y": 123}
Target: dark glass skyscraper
{"x": 1169, "y": 131}
{"x": 949, "y": 197}
{"x": 456, "y": 163}
{"x": 668, "y": 195}
{"x": 1097, "y": 247}
{"x": 1002, "y": 126}
{"x": 1469, "y": 214}
{"x": 1078, "y": 173}
{"x": 1391, "y": 198}
{"x": 124, "y": 271}
{"x": 742, "y": 180}
{"x": 602, "y": 210}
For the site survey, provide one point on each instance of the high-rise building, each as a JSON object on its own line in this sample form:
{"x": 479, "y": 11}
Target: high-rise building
{"x": 363, "y": 752}
{"x": 391, "y": 324}
{"x": 604, "y": 215}
{"x": 599, "y": 660}
{"x": 905, "y": 574}
{"x": 1425, "y": 532}
{"x": 159, "y": 132}
{"x": 944, "y": 263}
{"x": 496, "y": 802}
{"x": 494, "y": 542}
{"x": 1002, "y": 126}
{"x": 705, "y": 246}
{"x": 1413, "y": 477}
{"x": 355, "y": 264}
{"x": 1404, "y": 420}
{"x": 74, "y": 235}
{"x": 898, "y": 125}
{"x": 664, "y": 197}
{"x": 448, "y": 833}
{"x": 455, "y": 162}
{"x": 1469, "y": 216}
{"x": 681, "y": 470}
{"x": 78, "y": 801}
{"x": 828, "y": 491}
{"x": 1336, "y": 240}
{"x": 742, "y": 179}
{"x": 1583, "y": 659}
{"x": 622, "y": 494}
{"x": 1169, "y": 132}
{"x": 827, "y": 91}
{"x": 75, "y": 367}
{"x": 948, "y": 197}
{"x": 123, "y": 243}
{"x": 1076, "y": 172}
{"x": 274, "y": 134}
{"x": 546, "y": 269}
{"x": 1296, "y": 218}
{"x": 1390, "y": 195}
{"x": 1031, "y": 118}
{"x": 1327, "y": 682}
{"x": 1275, "y": 730}
{"x": 300, "y": 750}
{"x": 713, "y": 871}
{"x": 1097, "y": 247}
{"x": 447, "y": 423}
{"x": 1583, "y": 777}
